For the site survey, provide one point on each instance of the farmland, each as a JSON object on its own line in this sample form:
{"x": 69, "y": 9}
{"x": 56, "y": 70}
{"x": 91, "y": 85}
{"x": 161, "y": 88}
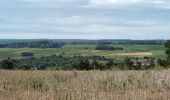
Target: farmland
{"x": 85, "y": 85}
{"x": 80, "y": 72}
{"x": 88, "y": 50}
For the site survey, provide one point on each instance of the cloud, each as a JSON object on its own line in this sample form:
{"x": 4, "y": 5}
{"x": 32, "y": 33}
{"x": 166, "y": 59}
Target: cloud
{"x": 106, "y": 29}
{"x": 78, "y": 24}
{"x": 85, "y": 18}
{"x": 99, "y": 20}
{"x": 56, "y": 2}
{"x": 160, "y": 4}
{"x": 115, "y": 2}
{"x": 45, "y": 1}
{"x": 163, "y": 4}
{"x": 130, "y": 3}
{"x": 69, "y": 20}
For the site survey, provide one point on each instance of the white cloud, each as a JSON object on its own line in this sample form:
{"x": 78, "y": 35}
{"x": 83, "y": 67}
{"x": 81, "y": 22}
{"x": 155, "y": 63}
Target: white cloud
{"x": 165, "y": 4}
{"x": 145, "y": 28}
{"x": 124, "y": 3}
{"x": 33, "y": 17}
{"x": 115, "y": 2}
{"x": 44, "y": 1}
{"x": 91, "y": 20}
{"x": 55, "y": 2}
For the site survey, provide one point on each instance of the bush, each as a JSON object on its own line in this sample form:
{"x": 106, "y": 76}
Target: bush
{"x": 27, "y": 54}
{"x": 107, "y": 47}
{"x": 7, "y": 64}
{"x": 167, "y": 46}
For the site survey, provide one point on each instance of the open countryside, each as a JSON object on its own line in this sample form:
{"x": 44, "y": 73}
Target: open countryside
{"x": 84, "y": 49}
{"x": 88, "y": 50}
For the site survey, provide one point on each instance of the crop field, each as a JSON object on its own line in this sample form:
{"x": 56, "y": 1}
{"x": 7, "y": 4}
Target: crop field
{"x": 85, "y": 85}
{"x": 88, "y": 50}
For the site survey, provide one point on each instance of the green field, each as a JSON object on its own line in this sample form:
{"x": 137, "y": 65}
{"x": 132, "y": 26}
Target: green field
{"x": 88, "y": 50}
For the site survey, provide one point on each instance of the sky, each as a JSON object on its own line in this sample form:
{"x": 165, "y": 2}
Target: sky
{"x": 84, "y": 19}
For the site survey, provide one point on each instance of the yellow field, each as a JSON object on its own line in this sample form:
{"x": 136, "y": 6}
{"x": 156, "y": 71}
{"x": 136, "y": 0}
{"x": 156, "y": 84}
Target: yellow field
{"x": 135, "y": 54}
{"x": 84, "y": 85}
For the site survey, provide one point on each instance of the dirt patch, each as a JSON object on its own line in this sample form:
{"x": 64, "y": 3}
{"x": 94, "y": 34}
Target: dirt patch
{"x": 135, "y": 54}
{"x": 24, "y": 51}
{"x": 28, "y": 50}
{"x": 95, "y": 51}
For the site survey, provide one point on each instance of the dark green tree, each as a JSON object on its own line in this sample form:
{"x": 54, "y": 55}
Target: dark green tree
{"x": 95, "y": 65}
{"x": 167, "y": 46}
{"x": 138, "y": 66}
{"x": 128, "y": 63}
{"x": 82, "y": 65}
{"x": 27, "y": 54}
{"x": 110, "y": 64}
{"x": 7, "y": 64}
{"x": 152, "y": 62}
{"x": 161, "y": 62}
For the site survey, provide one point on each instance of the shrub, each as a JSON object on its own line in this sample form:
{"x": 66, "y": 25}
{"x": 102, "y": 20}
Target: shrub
{"x": 7, "y": 64}
{"x": 27, "y": 54}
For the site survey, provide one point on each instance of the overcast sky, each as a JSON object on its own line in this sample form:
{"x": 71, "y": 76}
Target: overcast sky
{"x": 85, "y": 19}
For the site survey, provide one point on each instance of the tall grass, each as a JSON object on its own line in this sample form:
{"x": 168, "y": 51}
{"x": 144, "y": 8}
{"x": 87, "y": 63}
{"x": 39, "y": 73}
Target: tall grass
{"x": 84, "y": 85}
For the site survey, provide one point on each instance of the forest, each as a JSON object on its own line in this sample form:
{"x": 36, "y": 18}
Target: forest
{"x": 82, "y": 41}
{"x": 32, "y": 44}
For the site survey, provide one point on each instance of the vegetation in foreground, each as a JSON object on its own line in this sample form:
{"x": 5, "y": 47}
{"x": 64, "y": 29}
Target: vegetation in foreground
{"x": 84, "y": 85}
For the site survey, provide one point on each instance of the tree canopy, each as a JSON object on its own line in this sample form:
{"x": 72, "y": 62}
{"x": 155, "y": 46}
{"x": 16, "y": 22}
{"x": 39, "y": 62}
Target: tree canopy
{"x": 167, "y": 46}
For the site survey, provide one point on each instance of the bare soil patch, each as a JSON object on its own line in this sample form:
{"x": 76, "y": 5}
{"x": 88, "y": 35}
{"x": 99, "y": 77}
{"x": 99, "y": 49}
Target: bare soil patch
{"x": 135, "y": 54}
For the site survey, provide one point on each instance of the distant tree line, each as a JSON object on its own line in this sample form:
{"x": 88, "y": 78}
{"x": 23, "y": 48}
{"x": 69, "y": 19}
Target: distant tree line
{"x": 118, "y": 42}
{"x": 33, "y": 44}
{"x": 79, "y": 41}
{"x": 108, "y": 47}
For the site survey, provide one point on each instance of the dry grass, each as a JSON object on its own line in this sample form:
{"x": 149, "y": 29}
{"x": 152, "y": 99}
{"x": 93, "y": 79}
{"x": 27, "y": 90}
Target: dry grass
{"x": 136, "y": 54}
{"x": 84, "y": 85}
